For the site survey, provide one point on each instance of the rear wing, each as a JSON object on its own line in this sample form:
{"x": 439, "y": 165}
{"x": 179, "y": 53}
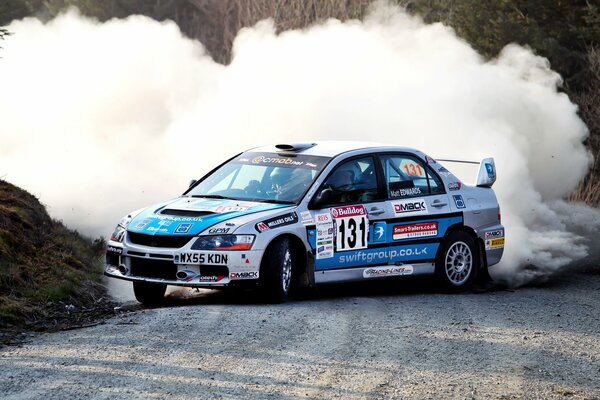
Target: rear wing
{"x": 486, "y": 176}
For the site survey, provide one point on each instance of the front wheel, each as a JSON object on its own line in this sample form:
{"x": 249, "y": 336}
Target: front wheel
{"x": 457, "y": 263}
{"x": 150, "y": 294}
{"x": 276, "y": 271}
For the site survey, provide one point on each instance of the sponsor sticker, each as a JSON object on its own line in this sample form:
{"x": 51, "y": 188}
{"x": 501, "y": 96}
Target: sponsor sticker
{"x": 156, "y": 229}
{"x": 490, "y": 171}
{"x": 209, "y": 278}
{"x": 178, "y": 219}
{"x": 324, "y": 240}
{"x": 409, "y": 231}
{"x": 405, "y": 192}
{"x": 391, "y": 270}
{"x": 277, "y": 160}
{"x": 443, "y": 171}
{"x": 494, "y": 234}
{"x": 306, "y": 217}
{"x": 224, "y": 209}
{"x": 454, "y": 186}
{"x": 351, "y": 227}
{"x": 114, "y": 250}
{"x": 218, "y": 231}
{"x": 282, "y": 220}
{"x": 378, "y": 232}
{"x": 243, "y": 275}
{"x": 183, "y": 228}
{"x": 405, "y": 208}
{"x": 142, "y": 224}
{"x": 348, "y": 211}
{"x": 491, "y": 244}
{"x": 201, "y": 258}
{"x": 458, "y": 201}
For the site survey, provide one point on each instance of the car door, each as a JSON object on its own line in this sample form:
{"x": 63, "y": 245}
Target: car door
{"x": 348, "y": 229}
{"x": 420, "y": 206}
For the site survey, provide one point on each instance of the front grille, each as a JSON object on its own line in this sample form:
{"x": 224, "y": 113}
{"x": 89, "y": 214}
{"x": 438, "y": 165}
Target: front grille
{"x": 174, "y": 242}
{"x": 153, "y": 268}
{"x": 185, "y": 213}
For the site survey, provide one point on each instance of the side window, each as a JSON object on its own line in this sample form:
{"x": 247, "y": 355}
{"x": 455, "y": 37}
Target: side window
{"x": 406, "y": 176}
{"x": 353, "y": 181}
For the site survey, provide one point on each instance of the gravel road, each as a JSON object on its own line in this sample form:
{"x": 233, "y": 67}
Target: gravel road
{"x": 398, "y": 340}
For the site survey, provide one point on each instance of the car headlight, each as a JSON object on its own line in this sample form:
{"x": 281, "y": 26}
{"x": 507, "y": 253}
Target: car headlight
{"x": 120, "y": 230}
{"x": 118, "y": 234}
{"x": 224, "y": 242}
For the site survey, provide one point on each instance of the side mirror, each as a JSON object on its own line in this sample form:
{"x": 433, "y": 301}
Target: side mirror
{"x": 325, "y": 196}
{"x": 487, "y": 173}
{"x": 192, "y": 182}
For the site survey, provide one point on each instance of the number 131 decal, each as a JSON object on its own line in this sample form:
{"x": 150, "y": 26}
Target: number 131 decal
{"x": 352, "y": 227}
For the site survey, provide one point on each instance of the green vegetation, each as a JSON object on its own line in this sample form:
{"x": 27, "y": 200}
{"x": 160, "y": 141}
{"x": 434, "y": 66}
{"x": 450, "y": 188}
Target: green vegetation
{"x": 43, "y": 264}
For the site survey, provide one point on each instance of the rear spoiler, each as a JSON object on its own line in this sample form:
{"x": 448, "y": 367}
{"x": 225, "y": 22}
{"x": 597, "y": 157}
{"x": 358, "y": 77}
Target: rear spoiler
{"x": 486, "y": 176}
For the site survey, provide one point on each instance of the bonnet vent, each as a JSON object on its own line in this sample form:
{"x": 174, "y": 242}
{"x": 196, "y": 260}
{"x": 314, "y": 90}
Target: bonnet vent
{"x": 185, "y": 213}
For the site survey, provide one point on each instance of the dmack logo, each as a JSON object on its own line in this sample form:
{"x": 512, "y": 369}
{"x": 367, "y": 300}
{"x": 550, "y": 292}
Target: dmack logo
{"x": 407, "y": 207}
{"x": 243, "y": 275}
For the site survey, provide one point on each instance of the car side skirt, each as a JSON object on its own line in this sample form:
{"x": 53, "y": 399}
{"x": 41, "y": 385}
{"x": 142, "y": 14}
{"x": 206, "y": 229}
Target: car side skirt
{"x": 373, "y": 272}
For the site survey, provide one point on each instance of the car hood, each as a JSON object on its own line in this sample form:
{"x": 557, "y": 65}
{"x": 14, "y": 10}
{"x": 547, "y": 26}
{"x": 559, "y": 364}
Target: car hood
{"x": 190, "y": 216}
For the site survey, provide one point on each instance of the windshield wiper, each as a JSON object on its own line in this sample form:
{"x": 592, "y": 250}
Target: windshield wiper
{"x": 212, "y": 196}
{"x": 275, "y": 201}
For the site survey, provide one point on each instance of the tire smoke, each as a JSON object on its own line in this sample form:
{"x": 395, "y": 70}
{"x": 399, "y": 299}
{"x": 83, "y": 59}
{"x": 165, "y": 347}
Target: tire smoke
{"x": 99, "y": 119}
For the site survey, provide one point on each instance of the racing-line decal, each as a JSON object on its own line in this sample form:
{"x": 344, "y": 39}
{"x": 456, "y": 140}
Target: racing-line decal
{"x": 409, "y": 207}
{"x": 201, "y": 258}
{"x": 390, "y": 270}
{"x": 275, "y": 222}
{"x": 351, "y": 227}
{"x": 324, "y": 241}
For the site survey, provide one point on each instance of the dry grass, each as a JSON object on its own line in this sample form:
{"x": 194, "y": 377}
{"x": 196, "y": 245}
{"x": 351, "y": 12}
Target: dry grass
{"x": 589, "y": 108}
{"x": 41, "y": 261}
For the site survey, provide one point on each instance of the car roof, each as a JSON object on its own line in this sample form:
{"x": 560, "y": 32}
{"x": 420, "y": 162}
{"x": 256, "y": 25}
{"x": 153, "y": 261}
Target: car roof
{"x": 331, "y": 148}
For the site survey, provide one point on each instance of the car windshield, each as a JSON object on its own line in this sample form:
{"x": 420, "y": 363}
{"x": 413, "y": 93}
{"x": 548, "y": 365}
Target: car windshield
{"x": 265, "y": 177}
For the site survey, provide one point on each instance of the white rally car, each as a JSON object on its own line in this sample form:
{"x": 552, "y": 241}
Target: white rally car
{"x": 297, "y": 215}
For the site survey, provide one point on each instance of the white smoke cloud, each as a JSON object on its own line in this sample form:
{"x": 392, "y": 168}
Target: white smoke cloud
{"x": 102, "y": 118}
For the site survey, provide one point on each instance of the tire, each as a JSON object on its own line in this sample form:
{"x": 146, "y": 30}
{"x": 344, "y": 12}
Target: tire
{"x": 150, "y": 294}
{"x": 457, "y": 263}
{"x": 276, "y": 272}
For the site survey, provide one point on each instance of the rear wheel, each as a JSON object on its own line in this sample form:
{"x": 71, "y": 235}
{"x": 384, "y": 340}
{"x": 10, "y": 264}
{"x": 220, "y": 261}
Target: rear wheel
{"x": 457, "y": 263}
{"x": 150, "y": 294}
{"x": 276, "y": 271}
